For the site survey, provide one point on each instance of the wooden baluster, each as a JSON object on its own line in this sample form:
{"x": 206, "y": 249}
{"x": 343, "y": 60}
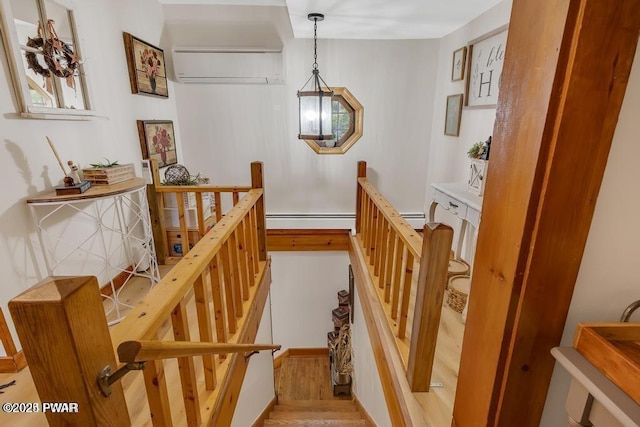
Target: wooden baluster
{"x": 236, "y": 197}
{"x": 218, "y": 201}
{"x": 365, "y": 218}
{"x": 362, "y": 173}
{"x": 382, "y": 240}
{"x": 432, "y": 280}
{"x": 406, "y": 294}
{"x": 184, "y": 231}
{"x": 383, "y": 254}
{"x": 391, "y": 256}
{"x": 218, "y": 308}
{"x": 398, "y": 265}
{"x": 254, "y": 232}
{"x": 251, "y": 248}
{"x": 371, "y": 227}
{"x": 241, "y": 259}
{"x": 155, "y": 385}
{"x": 186, "y": 367}
{"x": 229, "y": 289}
{"x": 375, "y": 235}
{"x": 257, "y": 181}
{"x": 236, "y": 280}
{"x": 204, "y": 327}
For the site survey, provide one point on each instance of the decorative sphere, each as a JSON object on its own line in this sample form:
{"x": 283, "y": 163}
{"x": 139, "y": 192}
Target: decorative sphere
{"x": 177, "y": 175}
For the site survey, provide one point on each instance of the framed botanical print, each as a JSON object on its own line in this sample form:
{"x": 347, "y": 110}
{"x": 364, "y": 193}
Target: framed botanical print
{"x": 453, "y": 115}
{"x": 147, "y": 72}
{"x": 157, "y": 141}
{"x": 486, "y": 57}
{"x": 459, "y": 61}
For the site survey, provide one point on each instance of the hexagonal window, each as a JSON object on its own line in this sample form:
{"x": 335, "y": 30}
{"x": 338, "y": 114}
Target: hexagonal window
{"x": 348, "y": 114}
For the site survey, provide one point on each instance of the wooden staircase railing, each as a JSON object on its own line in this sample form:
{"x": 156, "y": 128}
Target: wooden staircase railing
{"x": 63, "y": 329}
{"x": 393, "y": 249}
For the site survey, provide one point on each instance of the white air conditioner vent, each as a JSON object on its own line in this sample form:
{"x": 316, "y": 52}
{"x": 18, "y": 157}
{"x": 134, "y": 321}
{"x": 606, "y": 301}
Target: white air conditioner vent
{"x": 228, "y": 66}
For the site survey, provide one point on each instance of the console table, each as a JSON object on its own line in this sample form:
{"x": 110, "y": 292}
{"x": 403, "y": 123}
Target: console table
{"x": 103, "y": 232}
{"x": 458, "y": 201}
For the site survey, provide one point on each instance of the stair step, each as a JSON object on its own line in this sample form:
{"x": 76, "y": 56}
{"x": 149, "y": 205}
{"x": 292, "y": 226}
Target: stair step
{"x": 310, "y": 408}
{"x": 314, "y": 415}
{"x": 318, "y": 403}
{"x": 311, "y": 423}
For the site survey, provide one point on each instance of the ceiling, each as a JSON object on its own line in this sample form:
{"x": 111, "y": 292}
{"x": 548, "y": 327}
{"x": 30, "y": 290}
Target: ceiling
{"x": 371, "y": 19}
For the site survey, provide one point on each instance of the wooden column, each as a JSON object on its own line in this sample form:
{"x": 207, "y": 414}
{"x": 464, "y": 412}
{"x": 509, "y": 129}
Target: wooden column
{"x": 156, "y": 214}
{"x": 432, "y": 279}
{"x": 257, "y": 181}
{"x": 63, "y": 330}
{"x": 362, "y": 173}
{"x": 564, "y": 78}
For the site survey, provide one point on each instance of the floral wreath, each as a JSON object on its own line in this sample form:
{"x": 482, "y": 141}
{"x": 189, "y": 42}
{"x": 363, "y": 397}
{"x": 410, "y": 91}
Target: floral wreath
{"x": 53, "y": 49}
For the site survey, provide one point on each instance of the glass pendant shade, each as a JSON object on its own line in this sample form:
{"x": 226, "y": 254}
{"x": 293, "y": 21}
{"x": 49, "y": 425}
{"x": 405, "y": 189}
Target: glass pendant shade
{"x": 315, "y": 103}
{"x": 315, "y": 114}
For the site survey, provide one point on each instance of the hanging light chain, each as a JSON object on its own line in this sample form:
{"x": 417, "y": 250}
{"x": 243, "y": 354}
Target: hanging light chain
{"x": 315, "y": 43}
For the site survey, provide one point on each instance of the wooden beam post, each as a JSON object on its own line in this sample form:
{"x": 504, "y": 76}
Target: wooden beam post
{"x": 156, "y": 214}
{"x": 257, "y": 181}
{"x": 362, "y": 173}
{"x": 63, "y": 330}
{"x": 564, "y": 78}
{"x": 432, "y": 280}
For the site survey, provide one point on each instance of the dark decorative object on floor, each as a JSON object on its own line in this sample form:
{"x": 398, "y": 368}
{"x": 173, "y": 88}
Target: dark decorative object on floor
{"x": 343, "y": 298}
{"x": 340, "y": 317}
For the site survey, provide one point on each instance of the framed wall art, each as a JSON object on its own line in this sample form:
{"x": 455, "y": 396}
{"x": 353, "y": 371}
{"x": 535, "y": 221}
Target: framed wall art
{"x": 486, "y": 57}
{"x": 147, "y": 72}
{"x": 453, "y": 115}
{"x": 157, "y": 141}
{"x": 458, "y": 64}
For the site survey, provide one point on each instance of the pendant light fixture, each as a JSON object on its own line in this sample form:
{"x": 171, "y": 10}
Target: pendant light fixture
{"x": 316, "y": 102}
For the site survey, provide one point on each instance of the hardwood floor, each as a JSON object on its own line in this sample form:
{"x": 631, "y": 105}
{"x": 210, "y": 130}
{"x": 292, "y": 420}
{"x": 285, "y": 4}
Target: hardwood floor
{"x": 305, "y": 378}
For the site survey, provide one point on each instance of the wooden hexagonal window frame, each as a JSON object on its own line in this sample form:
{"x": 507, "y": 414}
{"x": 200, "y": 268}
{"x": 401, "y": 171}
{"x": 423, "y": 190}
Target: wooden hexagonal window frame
{"x": 348, "y": 118}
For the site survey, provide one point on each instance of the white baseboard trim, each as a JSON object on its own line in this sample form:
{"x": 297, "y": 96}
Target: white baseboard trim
{"x": 329, "y": 220}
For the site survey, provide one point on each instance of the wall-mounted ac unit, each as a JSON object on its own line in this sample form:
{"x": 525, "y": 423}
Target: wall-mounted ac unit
{"x": 228, "y": 66}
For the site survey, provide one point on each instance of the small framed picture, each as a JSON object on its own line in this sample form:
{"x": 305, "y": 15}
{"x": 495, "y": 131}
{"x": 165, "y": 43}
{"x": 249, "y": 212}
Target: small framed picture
{"x": 453, "y": 116}
{"x": 458, "y": 65}
{"x": 157, "y": 141}
{"x": 147, "y": 73}
{"x": 477, "y": 173}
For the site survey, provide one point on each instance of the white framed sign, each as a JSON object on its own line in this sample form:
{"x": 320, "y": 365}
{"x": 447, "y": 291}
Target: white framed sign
{"x": 486, "y": 57}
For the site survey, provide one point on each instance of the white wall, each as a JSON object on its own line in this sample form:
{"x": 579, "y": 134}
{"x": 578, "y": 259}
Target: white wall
{"x": 28, "y": 165}
{"x": 258, "y": 388}
{"x": 303, "y": 293}
{"x": 366, "y": 380}
{"x": 607, "y": 281}
{"x": 448, "y": 160}
{"x": 225, "y": 127}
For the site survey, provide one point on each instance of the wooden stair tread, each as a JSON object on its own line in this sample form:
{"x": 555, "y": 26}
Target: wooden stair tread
{"x": 270, "y": 422}
{"x": 318, "y": 403}
{"x": 314, "y": 415}
{"x": 295, "y": 408}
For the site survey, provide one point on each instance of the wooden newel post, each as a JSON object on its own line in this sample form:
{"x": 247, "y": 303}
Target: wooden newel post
{"x": 63, "y": 330}
{"x": 362, "y": 173}
{"x": 432, "y": 279}
{"x": 257, "y": 181}
{"x": 156, "y": 213}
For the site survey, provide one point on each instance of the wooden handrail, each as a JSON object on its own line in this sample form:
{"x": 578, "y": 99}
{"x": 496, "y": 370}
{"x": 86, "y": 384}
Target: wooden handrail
{"x": 147, "y": 317}
{"x": 200, "y": 189}
{"x": 141, "y": 351}
{"x": 405, "y": 231}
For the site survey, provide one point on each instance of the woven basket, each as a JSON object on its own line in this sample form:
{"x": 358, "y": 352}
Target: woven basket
{"x": 457, "y": 267}
{"x": 457, "y": 292}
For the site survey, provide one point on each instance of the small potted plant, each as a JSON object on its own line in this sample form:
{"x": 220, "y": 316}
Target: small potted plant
{"x": 341, "y": 351}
